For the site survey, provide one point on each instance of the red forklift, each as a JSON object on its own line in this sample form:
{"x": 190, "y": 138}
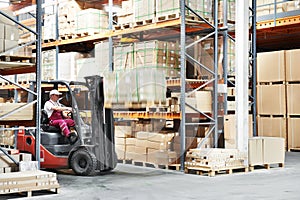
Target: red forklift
{"x": 94, "y": 149}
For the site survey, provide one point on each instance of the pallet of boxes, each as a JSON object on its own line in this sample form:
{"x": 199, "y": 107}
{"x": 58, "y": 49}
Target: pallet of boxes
{"x": 139, "y": 144}
{"x": 19, "y": 174}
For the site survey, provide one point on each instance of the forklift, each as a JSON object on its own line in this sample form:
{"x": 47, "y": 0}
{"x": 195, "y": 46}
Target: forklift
{"x": 94, "y": 149}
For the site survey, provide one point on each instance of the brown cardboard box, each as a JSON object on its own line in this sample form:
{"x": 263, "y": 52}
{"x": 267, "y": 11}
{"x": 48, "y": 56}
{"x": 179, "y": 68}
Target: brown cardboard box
{"x": 274, "y": 150}
{"x": 293, "y": 96}
{"x": 143, "y": 135}
{"x": 140, "y": 157}
{"x": 161, "y": 157}
{"x": 271, "y": 99}
{"x": 266, "y": 150}
{"x": 271, "y": 66}
{"x": 230, "y": 131}
{"x": 120, "y": 150}
{"x": 120, "y": 141}
{"x": 141, "y": 143}
{"x": 122, "y": 131}
{"x": 130, "y": 141}
{"x": 292, "y": 65}
{"x": 204, "y": 101}
{"x": 293, "y": 133}
{"x": 271, "y": 127}
{"x": 140, "y": 150}
{"x": 159, "y": 145}
{"x": 160, "y": 137}
{"x": 255, "y": 155}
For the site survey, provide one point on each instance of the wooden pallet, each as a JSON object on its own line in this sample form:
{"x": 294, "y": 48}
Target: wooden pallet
{"x": 27, "y": 182}
{"x": 123, "y": 26}
{"x": 294, "y": 149}
{"x": 12, "y": 58}
{"x": 151, "y": 165}
{"x": 143, "y": 22}
{"x": 67, "y": 37}
{"x": 134, "y": 105}
{"x": 167, "y": 17}
{"x": 213, "y": 171}
{"x": 49, "y": 40}
{"x": 264, "y": 166}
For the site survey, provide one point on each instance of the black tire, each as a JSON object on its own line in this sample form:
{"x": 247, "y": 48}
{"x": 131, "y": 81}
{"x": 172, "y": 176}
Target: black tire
{"x": 83, "y": 162}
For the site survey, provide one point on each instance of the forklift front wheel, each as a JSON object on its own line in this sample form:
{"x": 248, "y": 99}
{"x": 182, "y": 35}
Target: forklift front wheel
{"x": 83, "y": 162}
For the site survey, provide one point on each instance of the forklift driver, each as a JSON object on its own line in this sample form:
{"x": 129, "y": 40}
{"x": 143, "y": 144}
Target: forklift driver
{"x": 54, "y": 111}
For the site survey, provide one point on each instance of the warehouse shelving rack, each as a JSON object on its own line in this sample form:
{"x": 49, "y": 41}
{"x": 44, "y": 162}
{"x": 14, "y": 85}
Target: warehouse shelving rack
{"x": 214, "y": 31}
{"x": 27, "y": 68}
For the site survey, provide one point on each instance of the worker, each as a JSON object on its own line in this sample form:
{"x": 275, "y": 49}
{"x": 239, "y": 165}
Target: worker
{"x": 54, "y": 111}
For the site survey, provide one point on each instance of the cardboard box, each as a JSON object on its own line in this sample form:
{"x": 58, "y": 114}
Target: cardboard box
{"x": 293, "y": 96}
{"x": 2, "y": 34}
{"x": 140, "y": 150}
{"x": 230, "y": 130}
{"x": 271, "y": 99}
{"x": 159, "y": 145}
{"x": 255, "y": 151}
{"x": 122, "y": 131}
{"x": 292, "y": 65}
{"x": 293, "y": 133}
{"x": 160, "y": 137}
{"x": 141, "y": 143}
{"x": 10, "y": 44}
{"x": 271, "y": 66}
{"x": 11, "y": 32}
{"x": 161, "y": 157}
{"x": 204, "y": 101}
{"x": 271, "y": 127}
{"x": 266, "y": 150}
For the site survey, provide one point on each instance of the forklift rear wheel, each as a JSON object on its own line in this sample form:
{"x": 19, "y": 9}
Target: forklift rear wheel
{"x": 83, "y": 162}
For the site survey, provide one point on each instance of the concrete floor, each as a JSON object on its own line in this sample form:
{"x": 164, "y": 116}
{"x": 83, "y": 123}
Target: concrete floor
{"x": 132, "y": 182}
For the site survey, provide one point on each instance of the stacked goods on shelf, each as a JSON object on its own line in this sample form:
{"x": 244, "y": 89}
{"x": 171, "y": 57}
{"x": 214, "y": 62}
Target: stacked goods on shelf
{"x": 140, "y": 85}
{"x": 72, "y": 66}
{"x": 230, "y": 134}
{"x": 7, "y": 137}
{"x": 141, "y": 143}
{"x": 86, "y": 67}
{"x": 170, "y": 9}
{"x": 271, "y": 94}
{"x": 230, "y": 10}
{"x": 123, "y": 57}
{"x": 9, "y": 33}
{"x": 20, "y": 111}
{"x": 164, "y": 56}
{"x": 293, "y": 95}
{"x": 267, "y": 7}
{"x": 215, "y": 159}
{"x": 201, "y": 100}
{"x": 91, "y": 21}
{"x": 48, "y": 66}
{"x": 140, "y": 71}
{"x": 204, "y": 54}
{"x": 144, "y": 11}
{"x": 68, "y": 65}
{"x": 50, "y": 27}
{"x": 125, "y": 15}
{"x": 149, "y": 11}
{"x": 102, "y": 57}
{"x": 67, "y": 11}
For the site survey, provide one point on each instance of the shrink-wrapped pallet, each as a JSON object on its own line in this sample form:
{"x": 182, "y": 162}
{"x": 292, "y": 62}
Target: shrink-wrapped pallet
{"x": 91, "y": 21}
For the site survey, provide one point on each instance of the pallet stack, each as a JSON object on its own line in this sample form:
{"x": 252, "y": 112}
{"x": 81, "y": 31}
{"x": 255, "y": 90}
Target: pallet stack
{"x": 293, "y": 95}
{"x": 91, "y": 21}
{"x": 271, "y": 94}
{"x": 149, "y": 12}
{"x": 278, "y": 93}
{"x": 143, "y": 143}
{"x": 28, "y": 181}
{"x": 266, "y": 7}
{"x": 212, "y": 160}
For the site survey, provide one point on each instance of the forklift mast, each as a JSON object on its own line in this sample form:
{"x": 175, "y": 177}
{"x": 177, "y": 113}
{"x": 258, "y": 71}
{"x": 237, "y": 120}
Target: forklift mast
{"x": 102, "y": 125}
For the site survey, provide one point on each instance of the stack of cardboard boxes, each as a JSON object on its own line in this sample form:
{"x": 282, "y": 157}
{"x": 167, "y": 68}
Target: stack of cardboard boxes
{"x": 277, "y": 94}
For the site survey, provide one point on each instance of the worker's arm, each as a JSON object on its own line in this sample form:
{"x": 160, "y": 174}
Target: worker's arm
{"x": 61, "y": 108}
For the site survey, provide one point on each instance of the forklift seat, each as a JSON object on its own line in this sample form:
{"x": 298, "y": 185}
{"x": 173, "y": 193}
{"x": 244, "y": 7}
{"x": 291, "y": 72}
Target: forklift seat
{"x": 45, "y": 123}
